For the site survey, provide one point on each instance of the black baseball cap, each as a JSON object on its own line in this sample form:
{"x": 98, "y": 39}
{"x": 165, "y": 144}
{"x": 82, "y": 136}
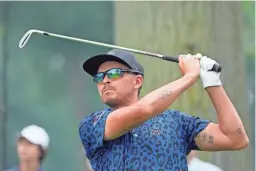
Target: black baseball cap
{"x": 124, "y": 57}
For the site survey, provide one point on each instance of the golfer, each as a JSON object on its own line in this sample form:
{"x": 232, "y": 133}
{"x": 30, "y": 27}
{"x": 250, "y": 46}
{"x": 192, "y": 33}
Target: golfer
{"x": 142, "y": 134}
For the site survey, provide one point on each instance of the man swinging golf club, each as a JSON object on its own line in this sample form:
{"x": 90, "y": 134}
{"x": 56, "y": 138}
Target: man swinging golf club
{"x": 142, "y": 134}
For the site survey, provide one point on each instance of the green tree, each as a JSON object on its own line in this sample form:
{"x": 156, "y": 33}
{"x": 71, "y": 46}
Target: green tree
{"x": 212, "y": 28}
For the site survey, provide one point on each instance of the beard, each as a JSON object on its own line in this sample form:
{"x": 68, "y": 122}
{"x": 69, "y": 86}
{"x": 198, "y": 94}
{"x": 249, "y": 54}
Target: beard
{"x": 114, "y": 99}
{"x": 109, "y": 98}
{"x": 109, "y": 95}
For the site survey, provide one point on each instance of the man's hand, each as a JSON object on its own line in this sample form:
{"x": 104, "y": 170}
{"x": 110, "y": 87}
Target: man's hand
{"x": 208, "y": 78}
{"x": 189, "y": 65}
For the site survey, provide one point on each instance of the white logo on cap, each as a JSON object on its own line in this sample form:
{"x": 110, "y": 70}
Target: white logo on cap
{"x": 111, "y": 53}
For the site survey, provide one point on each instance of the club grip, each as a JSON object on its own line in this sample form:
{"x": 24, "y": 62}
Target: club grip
{"x": 170, "y": 58}
{"x": 216, "y": 68}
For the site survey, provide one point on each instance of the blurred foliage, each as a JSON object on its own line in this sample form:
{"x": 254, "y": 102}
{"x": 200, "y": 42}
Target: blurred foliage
{"x": 43, "y": 76}
{"x": 249, "y": 28}
{"x": 249, "y": 52}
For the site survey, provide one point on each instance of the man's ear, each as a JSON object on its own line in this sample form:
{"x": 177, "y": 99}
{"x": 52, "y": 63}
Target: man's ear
{"x": 138, "y": 81}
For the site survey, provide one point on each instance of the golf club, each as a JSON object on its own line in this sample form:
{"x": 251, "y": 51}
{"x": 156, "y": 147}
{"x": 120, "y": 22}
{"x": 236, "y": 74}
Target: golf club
{"x": 26, "y": 37}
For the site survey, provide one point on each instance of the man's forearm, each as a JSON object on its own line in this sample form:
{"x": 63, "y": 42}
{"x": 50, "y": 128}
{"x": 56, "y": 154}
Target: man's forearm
{"x": 229, "y": 121}
{"x": 160, "y": 99}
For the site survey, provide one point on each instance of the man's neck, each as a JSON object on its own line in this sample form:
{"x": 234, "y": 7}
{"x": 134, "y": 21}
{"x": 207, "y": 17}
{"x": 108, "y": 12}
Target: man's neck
{"x": 29, "y": 166}
{"x": 127, "y": 103}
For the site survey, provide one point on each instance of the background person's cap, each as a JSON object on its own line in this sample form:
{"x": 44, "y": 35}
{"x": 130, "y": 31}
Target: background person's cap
{"x": 36, "y": 135}
{"x": 124, "y": 57}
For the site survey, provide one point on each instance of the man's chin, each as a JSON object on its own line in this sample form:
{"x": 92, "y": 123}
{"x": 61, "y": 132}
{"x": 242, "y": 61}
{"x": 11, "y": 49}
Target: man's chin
{"x": 110, "y": 102}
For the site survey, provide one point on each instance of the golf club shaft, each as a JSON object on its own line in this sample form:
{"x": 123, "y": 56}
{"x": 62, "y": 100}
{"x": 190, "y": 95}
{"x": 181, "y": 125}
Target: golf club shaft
{"x": 26, "y": 37}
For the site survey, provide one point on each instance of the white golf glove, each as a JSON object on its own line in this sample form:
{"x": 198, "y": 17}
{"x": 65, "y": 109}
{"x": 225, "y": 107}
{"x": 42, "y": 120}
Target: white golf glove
{"x": 208, "y": 78}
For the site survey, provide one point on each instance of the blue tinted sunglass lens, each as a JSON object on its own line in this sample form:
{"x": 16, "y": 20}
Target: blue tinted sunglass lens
{"x": 98, "y": 80}
{"x": 98, "y": 77}
{"x": 114, "y": 73}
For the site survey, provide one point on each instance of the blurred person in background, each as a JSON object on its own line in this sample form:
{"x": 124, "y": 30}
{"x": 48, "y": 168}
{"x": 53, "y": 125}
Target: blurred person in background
{"x": 32, "y": 146}
{"x": 195, "y": 164}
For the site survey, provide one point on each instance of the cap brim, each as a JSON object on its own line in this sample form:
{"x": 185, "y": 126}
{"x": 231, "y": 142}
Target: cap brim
{"x": 31, "y": 140}
{"x": 91, "y": 65}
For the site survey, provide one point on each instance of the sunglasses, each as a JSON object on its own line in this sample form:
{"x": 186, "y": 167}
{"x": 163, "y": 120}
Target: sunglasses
{"x": 113, "y": 73}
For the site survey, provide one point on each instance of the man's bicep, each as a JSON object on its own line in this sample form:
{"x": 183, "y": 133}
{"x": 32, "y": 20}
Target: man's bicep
{"x": 212, "y": 139}
{"x": 194, "y": 125}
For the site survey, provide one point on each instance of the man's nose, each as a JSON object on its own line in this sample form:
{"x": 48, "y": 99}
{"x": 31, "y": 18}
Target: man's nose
{"x": 106, "y": 80}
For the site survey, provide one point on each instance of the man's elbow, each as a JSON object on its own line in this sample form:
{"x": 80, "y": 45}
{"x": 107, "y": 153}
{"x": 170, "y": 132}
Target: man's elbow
{"x": 241, "y": 143}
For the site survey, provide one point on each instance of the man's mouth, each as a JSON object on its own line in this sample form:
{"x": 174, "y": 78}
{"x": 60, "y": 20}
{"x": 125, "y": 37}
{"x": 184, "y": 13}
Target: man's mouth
{"x": 104, "y": 90}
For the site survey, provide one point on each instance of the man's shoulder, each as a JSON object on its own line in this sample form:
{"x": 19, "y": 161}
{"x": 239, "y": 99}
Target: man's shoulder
{"x": 94, "y": 116}
{"x": 179, "y": 117}
{"x": 176, "y": 114}
{"x": 171, "y": 111}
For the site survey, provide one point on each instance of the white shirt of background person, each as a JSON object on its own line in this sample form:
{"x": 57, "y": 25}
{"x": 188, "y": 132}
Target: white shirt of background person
{"x": 195, "y": 164}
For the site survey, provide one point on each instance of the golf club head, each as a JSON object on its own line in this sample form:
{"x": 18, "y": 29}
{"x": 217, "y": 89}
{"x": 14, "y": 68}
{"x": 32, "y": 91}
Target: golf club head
{"x": 27, "y": 35}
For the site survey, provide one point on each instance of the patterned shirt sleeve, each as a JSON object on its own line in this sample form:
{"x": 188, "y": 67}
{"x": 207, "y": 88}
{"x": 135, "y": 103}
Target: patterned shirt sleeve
{"x": 193, "y": 126}
{"x": 91, "y": 132}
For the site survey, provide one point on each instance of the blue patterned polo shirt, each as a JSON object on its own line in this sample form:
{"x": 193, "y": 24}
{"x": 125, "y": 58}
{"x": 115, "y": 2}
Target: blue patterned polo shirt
{"x": 160, "y": 144}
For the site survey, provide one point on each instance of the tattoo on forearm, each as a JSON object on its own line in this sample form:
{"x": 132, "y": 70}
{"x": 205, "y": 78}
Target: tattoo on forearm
{"x": 165, "y": 94}
{"x": 210, "y": 140}
{"x": 204, "y": 137}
